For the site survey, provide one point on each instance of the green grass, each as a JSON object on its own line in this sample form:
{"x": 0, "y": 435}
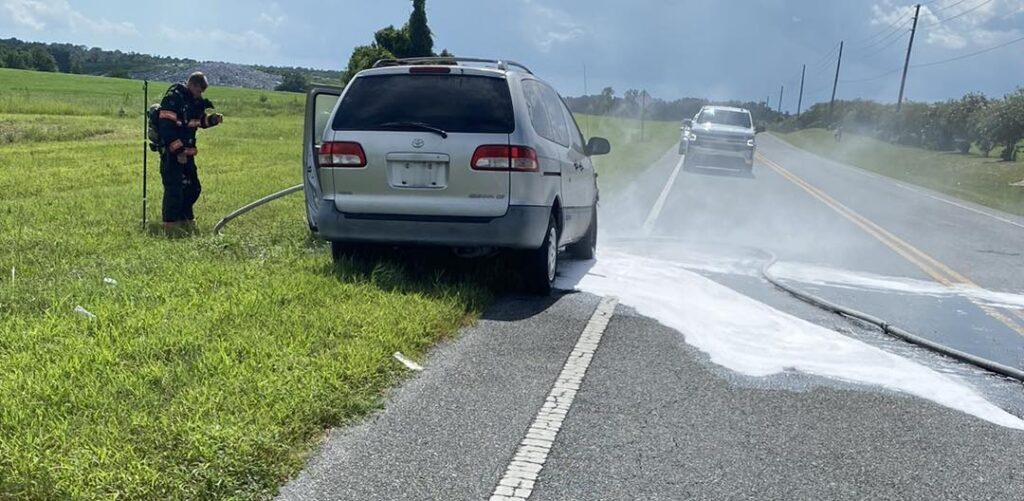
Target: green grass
{"x": 216, "y": 362}
{"x": 629, "y": 156}
{"x": 986, "y": 181}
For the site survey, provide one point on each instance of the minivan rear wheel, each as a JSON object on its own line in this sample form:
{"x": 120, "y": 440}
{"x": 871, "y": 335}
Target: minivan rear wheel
{"x": 586, "y": 248}
{"x": 542, "y": 263}
{"x": 339, "y": 251}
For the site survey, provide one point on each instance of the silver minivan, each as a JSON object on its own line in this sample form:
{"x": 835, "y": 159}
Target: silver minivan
{"x": 466, "y": 153}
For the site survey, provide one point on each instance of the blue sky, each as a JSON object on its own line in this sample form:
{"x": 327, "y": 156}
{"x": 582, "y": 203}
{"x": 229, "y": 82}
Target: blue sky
{"x": 743, "y": 49}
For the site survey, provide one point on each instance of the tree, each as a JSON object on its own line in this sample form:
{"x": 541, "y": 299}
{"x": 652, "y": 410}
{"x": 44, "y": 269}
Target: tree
{"x": 363, "y": 58}
{"x": 67, "y": 60}
{"x": 964, "y": 118}
{"x": 40, "y": 59}
{"x": 1006, "y": 124}
{"x": 421, "y": 40}
{"x": 16, "y": 59}
{"x": 607, "y": 101}
{"x": 294, "y": 81}
{"x": 394, "y": 40}
{"x": 412, "y": 40}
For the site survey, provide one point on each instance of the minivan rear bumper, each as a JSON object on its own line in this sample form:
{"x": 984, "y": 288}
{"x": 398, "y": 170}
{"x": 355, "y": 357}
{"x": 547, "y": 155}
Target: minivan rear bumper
{"x": 522, "y": 227}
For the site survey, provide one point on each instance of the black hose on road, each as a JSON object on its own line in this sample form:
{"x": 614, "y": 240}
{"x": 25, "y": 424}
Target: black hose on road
{"x": 888, "y": 328}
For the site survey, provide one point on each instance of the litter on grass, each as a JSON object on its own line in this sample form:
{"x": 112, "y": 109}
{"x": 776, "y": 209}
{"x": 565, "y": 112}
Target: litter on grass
{"x": 110, "y": 281}
{"x": 84, "y": 312}
{"x": 406, "y": 362}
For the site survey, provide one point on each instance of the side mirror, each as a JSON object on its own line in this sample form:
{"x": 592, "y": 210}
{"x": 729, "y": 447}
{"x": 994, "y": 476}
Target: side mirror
{"x": 687, "y": 123}
{"x": 598, "y": 146}
{"x": 759, "y": 129}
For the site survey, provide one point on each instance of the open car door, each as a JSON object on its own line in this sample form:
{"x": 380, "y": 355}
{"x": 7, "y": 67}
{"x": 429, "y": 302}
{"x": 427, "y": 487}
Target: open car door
{"x": 320, "y": 102}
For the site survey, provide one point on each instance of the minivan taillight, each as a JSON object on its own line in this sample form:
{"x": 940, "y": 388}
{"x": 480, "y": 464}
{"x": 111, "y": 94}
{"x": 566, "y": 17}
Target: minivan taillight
{"x": 341, "y": 154}
{"x": 504, "y": 158}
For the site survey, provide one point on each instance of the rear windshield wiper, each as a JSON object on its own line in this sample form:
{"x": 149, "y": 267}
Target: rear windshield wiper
{"x": 414, "y": 125}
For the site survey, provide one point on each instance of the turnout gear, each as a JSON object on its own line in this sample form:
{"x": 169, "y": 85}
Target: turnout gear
{"x": 178, "y": 117}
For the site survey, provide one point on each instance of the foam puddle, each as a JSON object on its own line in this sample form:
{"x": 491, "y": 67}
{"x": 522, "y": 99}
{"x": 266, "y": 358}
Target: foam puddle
{"x": 832, "y": 277}
{"x": 752, "y": 338}
{"x": 811, "y": 274}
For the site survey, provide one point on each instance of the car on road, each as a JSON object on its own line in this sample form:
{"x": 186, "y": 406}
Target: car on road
{"x": 465, "y": 153}
{"x": 717, "y": 134}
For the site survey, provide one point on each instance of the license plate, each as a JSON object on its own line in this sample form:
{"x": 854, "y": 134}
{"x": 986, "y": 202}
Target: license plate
{"x": 428, "y": 175}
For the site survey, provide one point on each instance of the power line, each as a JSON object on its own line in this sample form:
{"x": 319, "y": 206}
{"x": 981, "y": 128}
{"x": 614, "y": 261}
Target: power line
{"x": 886, "y": 46}
{"x": 871, "y": 79}
{"x": 826, "y": 58}
{"x": 936, "y": 63}
{"x": 964, "y": 13}
{"x": 886, "y": 29}
{"x": 972, "y": 54}
{"x": 940, "y": 9}
{"x": 889, "y": 36}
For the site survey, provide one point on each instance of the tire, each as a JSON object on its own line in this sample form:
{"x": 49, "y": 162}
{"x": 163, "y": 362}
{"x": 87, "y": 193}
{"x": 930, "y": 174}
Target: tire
{"x": 541, "y": 265}
{"x": 339, "y": 251}
{"x": 586, "y": 248}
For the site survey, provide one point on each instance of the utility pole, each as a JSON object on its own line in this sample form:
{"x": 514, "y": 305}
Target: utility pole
{"x": 643, "y": 113}
{"x": 800, "y": 101}
{"x": 906, "y": 63}
{"x": 586, "y": 93}
{"x": 782, "y": 88}
{"x": 835, "y": 83}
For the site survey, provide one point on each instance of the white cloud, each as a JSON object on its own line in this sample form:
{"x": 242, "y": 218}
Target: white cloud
{"x": 952, "y": 24}
{"x": 548, "y": 27}
{"x": 274, "y": 20}
{"x": 39, "y": 15}
{"x": 797, "y": 19}
{"x": 248, "y": 40}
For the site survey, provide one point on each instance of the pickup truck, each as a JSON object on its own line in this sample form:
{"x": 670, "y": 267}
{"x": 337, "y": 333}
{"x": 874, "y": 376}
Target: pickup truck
{"x": 719, "y": 133}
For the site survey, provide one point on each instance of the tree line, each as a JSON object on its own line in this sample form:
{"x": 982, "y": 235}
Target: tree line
{"x": 974, "y": 120}
{"x": 79, "y": 59}
{"x": 639, "y": 104}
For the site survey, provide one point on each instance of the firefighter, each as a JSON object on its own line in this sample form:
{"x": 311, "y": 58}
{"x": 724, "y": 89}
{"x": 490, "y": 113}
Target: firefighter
{"x": 182, "y": 113}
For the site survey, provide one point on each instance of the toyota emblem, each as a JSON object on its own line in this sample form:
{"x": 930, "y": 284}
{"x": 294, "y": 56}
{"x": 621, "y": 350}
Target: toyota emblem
{"x": 417, "y": 143}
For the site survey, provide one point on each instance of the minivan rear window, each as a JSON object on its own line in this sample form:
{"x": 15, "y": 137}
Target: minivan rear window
{"x": 452, "y": 103}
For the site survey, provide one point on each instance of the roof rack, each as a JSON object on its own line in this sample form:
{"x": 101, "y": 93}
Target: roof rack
{"x": 502, "y": 65}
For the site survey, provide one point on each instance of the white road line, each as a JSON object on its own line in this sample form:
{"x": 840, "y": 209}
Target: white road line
{"x": 956, "y": 204}
{"x": 652, "y": 217}
{"x": 521, "y": 474}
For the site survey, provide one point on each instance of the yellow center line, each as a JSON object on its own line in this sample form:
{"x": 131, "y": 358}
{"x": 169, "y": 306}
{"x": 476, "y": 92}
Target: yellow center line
{"x": 931, "y": 266}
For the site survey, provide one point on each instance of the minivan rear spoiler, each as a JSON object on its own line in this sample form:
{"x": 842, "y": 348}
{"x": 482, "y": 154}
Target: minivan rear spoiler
{"x": 408, "y": 61}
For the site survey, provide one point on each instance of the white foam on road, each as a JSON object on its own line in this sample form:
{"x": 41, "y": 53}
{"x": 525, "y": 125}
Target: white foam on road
{"x": 835, "y": 277}
{"x": 752, "y": 338}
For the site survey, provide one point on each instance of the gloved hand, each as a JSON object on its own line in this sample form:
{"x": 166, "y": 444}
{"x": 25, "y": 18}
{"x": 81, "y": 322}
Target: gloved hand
{"x": 215, "y": 119}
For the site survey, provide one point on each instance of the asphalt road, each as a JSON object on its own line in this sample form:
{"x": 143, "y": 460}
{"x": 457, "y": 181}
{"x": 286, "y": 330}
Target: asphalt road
{"x": 654, "y": 418}
{"x": 896, "y": 232}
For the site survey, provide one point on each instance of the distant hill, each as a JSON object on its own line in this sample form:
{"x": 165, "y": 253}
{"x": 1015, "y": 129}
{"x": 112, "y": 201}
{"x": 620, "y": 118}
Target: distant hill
{"x": 68, "y": 58}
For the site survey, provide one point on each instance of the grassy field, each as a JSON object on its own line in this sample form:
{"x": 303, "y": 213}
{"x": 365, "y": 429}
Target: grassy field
{"x": 986, "y": 181}
{"x": 629, "y": 156}
{"x": 214, "y": 363}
